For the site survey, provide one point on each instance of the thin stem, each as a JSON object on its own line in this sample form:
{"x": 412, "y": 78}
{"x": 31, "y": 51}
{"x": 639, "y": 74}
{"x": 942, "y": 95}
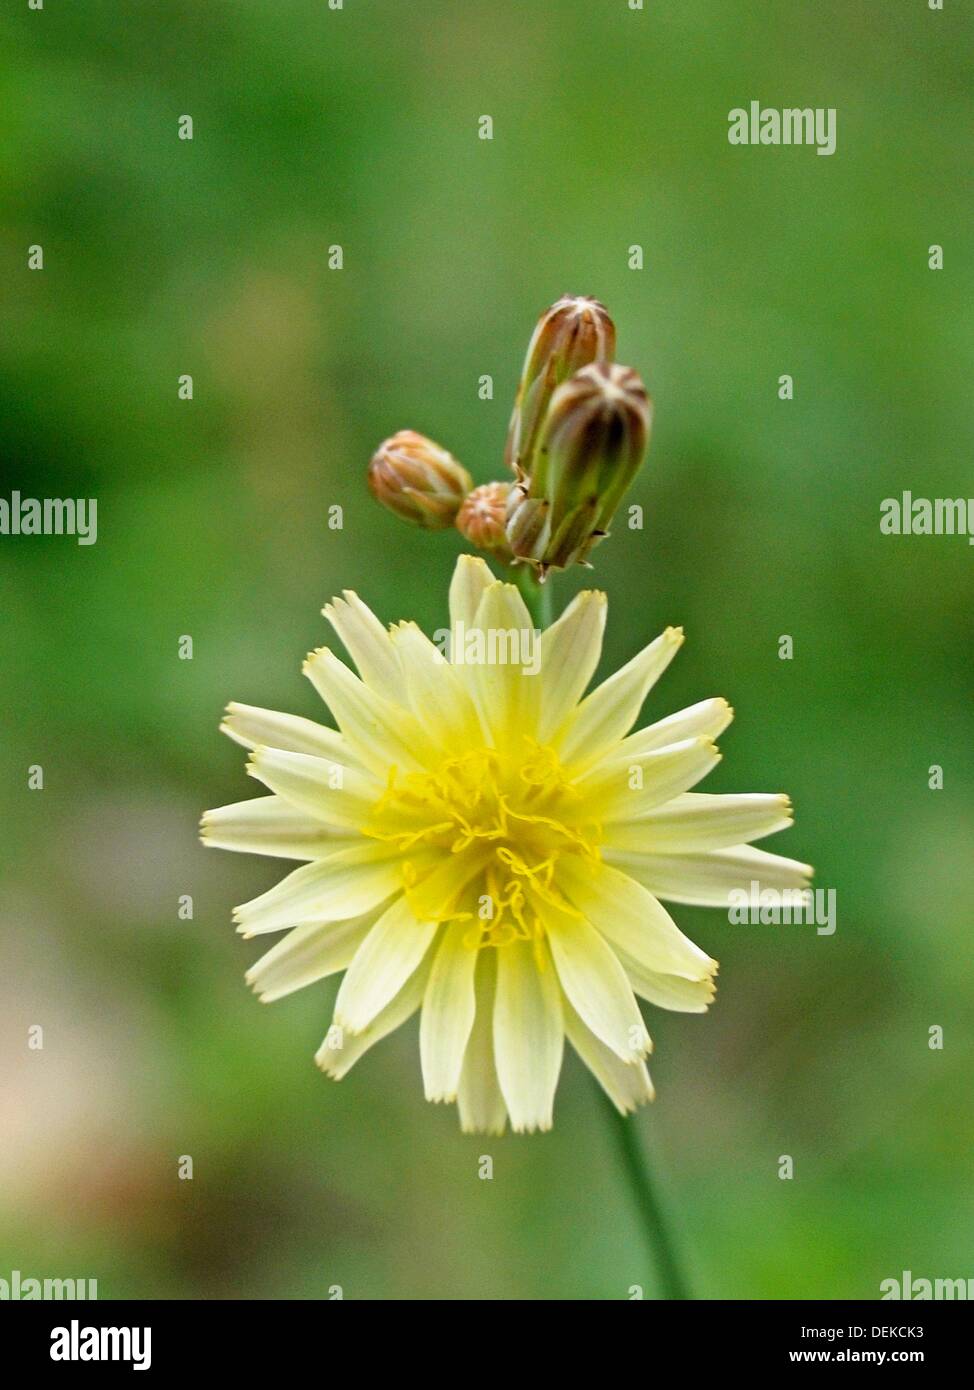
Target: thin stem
{"x": 538, "y": 597}
{"x": 546, "y": 602}
{"x": 637, "y": 1167}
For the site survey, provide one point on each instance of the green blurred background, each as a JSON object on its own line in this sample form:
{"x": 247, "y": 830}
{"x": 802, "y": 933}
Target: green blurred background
{"x": 162, "y": 257}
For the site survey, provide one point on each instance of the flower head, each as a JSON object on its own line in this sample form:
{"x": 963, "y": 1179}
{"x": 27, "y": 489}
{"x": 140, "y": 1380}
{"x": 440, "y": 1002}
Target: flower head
{"x": 488, "y": 845}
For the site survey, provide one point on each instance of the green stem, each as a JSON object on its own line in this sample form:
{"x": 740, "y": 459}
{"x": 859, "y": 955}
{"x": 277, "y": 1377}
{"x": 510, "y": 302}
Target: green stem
{"x": 546, "y": 602}
{"x": 538, "y": 597}
{"x": 637, "y": 1168}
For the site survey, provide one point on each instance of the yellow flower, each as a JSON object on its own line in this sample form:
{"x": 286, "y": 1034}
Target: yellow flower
{"x": 489, "y": 847}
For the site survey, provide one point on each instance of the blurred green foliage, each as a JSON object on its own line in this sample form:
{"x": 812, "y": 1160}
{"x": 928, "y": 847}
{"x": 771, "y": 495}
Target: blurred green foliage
{"x": 315, "y": 127}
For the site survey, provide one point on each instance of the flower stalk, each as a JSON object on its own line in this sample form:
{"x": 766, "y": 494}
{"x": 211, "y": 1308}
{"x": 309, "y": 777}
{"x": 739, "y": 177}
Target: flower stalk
{"x": 636, "y": 1166}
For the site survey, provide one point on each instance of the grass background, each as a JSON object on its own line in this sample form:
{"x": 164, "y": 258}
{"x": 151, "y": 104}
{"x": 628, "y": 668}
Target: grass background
{"x": 359, "y": 127}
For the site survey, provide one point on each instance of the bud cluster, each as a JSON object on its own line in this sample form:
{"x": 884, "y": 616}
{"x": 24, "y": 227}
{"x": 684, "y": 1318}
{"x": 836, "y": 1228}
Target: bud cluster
{"x": 592, "y": 444}
{"x": 577, "y": 438}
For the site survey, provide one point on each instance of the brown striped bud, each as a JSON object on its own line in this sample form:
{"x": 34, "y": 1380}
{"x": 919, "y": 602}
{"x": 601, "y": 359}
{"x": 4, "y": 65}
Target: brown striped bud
{"x": 418, "y": 480}
{"x": 593, "y": 441}
{"x": 575, "y": 331}
{"x": 482, "y": 517}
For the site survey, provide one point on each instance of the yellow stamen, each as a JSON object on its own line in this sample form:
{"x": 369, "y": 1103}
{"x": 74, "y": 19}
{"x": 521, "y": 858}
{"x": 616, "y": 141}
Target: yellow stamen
{"x": 504, "y": 822}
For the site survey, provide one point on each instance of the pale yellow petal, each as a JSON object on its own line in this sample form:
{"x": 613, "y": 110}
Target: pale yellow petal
{"x": 628, "y": 791}
{"x": 382, "y": 734}
{"x": 367, "y": 643}
{"x": 528, "y": 1034}
{"x": 708, "y": 719}
{"x": 433, "y": 690}
{"x": 393, "y": 949}
{"x": 270, "y": 825}
{"x": 596, "y": 985}
{"x": 252, "y": 727}
{"x": 504, "y": 678}
{"x": 628, "y": 916}
{"x": 570, "y": 651}
{"x": 340, "y": 796}
{"x": 479, "y": 1099}
{"x": 470, "y": 578}
{"x": 306, "y": 954}
{"x": 708, "y": 877}
{"x": 627, "y": 1084}
{"x": 449, "y": 1005}
{"x": 697, "y": 821}
{"x": 672, "y": 992}
{"x": 605, "y": 716}
{"x": 340, "y": 1050}
{"x": 347, "y": 883}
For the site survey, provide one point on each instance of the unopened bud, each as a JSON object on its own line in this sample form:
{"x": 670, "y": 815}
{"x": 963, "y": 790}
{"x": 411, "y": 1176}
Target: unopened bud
{"x": 482, "y": 517}
{"x": 575, "y": 331}
{"x": 418, "y": 480}
{"x": 593, "y": 441}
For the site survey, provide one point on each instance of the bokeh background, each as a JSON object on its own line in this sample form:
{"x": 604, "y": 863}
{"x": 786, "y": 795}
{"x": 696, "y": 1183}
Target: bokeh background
{"x": 162, "y": 257}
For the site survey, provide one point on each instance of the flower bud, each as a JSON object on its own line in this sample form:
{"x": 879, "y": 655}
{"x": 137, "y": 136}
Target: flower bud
{"x": 481, "y": 519}
{"x": 592, "y": 441}
{"x": 572, "y": 333}
{"x": 418, "y": 480}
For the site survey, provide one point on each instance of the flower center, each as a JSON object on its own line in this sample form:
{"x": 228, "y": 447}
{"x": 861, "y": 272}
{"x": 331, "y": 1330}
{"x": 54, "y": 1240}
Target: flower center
{"x": 481, "y": 838}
